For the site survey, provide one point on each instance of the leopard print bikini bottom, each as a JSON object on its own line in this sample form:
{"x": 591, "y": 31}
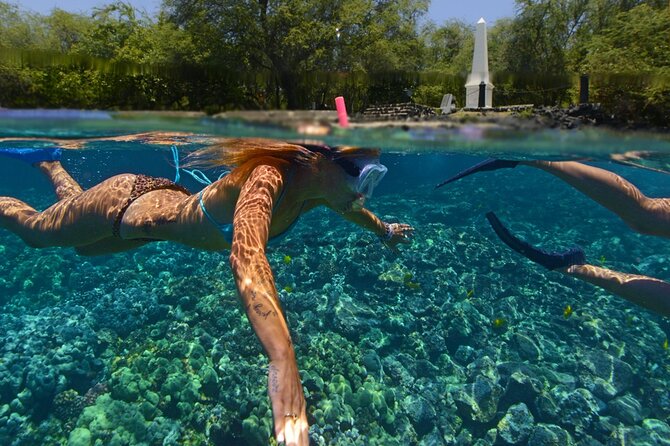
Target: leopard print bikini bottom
{"x": 143, "y": 184}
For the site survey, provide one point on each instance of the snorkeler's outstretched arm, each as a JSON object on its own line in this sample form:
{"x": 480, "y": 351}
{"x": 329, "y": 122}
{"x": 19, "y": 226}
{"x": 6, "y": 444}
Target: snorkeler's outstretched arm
{"x": 648, "y": 292}
{"x": 258, "y": 293}
{"x": 391, "y": 233}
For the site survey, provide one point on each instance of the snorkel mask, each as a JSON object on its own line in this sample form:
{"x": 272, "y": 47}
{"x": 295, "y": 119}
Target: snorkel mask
{"x": 366, "y": 172}
{"x": 371, "y": 175}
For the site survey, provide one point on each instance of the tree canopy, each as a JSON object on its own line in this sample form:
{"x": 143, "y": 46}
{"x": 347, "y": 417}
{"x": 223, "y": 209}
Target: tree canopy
{"x": 219, "y": 54}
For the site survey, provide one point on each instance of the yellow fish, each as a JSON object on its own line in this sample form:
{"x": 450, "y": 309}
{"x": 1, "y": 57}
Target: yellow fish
{"x": 469, "y": 294}
{"x": 287, "y": 259}
{"x": 665, "y": 344}
{"x": 567, "y": 311}
{"x": 499, "y": 322}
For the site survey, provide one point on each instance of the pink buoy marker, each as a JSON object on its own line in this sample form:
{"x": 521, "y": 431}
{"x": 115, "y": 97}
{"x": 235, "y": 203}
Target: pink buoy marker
{"x": 341, "y": 112}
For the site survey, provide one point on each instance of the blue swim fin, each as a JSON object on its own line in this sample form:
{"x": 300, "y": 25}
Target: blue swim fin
{"x": 550, "y": 260}
{"x": 32, "y": 156}
{"x": 487, "y": 164}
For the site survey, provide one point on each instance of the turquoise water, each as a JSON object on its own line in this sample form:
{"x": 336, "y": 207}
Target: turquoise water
{"x": 454, "y": 340}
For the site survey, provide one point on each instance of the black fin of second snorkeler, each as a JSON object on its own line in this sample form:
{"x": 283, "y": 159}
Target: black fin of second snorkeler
{"x": 550, "y": 260}
{"x": 486, "y": 165}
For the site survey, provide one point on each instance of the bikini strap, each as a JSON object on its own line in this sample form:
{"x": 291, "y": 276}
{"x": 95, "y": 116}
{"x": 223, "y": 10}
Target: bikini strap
{"x": 227, "y": 228}
{"x": 220, "y": 226}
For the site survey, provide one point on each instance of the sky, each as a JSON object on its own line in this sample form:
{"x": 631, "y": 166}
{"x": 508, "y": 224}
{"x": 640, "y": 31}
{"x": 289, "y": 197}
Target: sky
{"x": 440, "y": 10}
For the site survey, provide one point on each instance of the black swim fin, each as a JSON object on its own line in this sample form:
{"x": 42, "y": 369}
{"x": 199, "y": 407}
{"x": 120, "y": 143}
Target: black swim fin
{"x": 550, "y": 260}
{"x": 32, "y": 156}
{"x": 487, "y": 164}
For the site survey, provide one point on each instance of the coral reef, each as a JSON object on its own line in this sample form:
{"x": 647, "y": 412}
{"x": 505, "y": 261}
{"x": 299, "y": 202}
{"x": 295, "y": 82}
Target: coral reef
{"x": 151, "y": 347}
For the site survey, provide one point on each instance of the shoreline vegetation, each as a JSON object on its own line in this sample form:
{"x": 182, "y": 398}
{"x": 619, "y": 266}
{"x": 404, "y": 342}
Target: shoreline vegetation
{"x": 198, "y": 56}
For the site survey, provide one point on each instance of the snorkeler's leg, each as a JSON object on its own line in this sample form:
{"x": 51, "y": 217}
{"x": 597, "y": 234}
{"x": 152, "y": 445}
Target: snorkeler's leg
{"x": 641, "y": 213}
{"x": 80, "y": 220}
{"x": 648, "y": 292}
{"x": 64, "y": 185}
{"x": 484, "y": 166}
{"x": 550, "y": 260}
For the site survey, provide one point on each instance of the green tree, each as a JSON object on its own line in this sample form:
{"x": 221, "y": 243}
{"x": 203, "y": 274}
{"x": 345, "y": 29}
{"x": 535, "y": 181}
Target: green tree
{"x": 637, "y": 41}
{"x": 448, "y": 48}
{"x": 19, "y": 29}
{"x": 292, "y": 38}
{"x": 111, "y": 27}
{"x": 541, "y": 33}
{"x": 65, "y": 31}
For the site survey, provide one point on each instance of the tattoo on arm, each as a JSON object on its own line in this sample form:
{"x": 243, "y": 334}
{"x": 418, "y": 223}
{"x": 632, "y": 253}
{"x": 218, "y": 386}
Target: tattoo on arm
{"x": 274, "y": 379}
{"x": 259, "y": 308}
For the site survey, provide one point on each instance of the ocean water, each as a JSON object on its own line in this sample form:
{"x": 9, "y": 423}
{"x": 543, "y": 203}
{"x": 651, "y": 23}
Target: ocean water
{"x": 455, "y": 340}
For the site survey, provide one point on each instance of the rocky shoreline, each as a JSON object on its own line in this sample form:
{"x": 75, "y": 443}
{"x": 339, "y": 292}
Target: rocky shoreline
{"x": 409, "y": 115}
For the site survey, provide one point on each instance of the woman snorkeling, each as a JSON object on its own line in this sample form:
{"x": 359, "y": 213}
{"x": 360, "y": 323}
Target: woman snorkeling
{"x": 641, "y": 213}
{"x": 271, "y": 184}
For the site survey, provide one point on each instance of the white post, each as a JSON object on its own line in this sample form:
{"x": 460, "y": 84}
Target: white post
{"x": 480, "y": 70}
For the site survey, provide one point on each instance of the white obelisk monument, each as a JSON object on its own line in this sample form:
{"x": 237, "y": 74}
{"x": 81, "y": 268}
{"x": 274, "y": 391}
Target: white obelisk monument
{"x": 480, "y": 70}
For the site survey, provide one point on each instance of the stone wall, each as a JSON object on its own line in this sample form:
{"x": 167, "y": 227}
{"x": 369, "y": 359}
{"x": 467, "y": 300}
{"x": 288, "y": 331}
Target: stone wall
{"x": 396, "y": 112}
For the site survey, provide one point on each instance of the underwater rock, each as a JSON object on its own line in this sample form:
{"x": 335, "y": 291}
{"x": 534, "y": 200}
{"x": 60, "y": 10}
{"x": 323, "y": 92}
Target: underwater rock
{"x": 550, "y": 435}
{"x": 605, "y": 375}
{"x": 209, "y": 381}
{"x": 626, "y": 408}
{"x": 658, "y": 397}
{"x": 465, "y": 354}
{"x": 477, "y": 401}
{"x": 465, "y": 327}
{"x": 526, "y": 347}
{"x": 68, "y": 405}
{"x": 115, "y": 422}
{"x": 46, "y": 354}
{"x": 255, "y": 433}
{"x": 547, "y": 408}
{"x": 163, "y": 431}
{"x": 655, "y": 266}
{"x": 352, "y": 318}
{"x": 638, "y": 436}
{"x": 313, "y": 382}
{"x": 450, "y": 371}
{"x": 124, "y": 309}
{"x": 79, "y": 437}
{"x": 659, "y": 430}
{"x": 420, "y": 413}
{"x": 426, "y": 369}
{"x": 334, "y": 411}
{"x": 517, "y": 424}
{"x": 579, "y": 408}
{"x": 397, "y": 372}
{"x": 521, "y": 388}
{"x": 483, "y": 366}
{"x": 126, "y": 385}
{"x": 373, "y": 364}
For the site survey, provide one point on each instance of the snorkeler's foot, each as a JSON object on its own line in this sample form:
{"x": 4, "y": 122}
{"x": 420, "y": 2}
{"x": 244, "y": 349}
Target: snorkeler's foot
{"x": 32, "y": 156}
{"x": 550, "y": 260}
{"x": 487, "y": 164}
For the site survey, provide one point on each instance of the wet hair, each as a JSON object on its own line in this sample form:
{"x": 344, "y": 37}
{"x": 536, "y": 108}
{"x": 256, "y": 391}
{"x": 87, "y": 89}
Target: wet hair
{"x": 235, "y": 152}
{"x": 339, "y": 156}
